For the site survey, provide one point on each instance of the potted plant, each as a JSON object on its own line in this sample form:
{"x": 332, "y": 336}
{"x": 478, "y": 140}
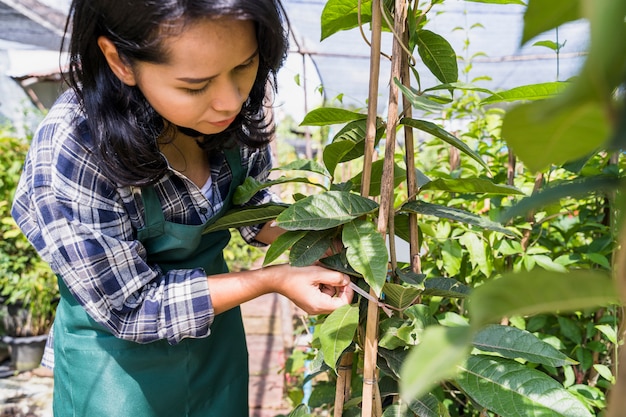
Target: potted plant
{"x": 28, "y": 288}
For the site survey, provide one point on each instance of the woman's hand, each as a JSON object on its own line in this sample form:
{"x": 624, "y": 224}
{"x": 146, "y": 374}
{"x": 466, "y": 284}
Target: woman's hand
{"x": 314, "y": 289}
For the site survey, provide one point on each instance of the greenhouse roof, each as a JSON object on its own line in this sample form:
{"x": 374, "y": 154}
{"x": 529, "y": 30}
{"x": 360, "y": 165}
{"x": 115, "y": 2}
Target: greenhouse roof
{"x": 490, "y": 33}
{"x": 487, "y": 36}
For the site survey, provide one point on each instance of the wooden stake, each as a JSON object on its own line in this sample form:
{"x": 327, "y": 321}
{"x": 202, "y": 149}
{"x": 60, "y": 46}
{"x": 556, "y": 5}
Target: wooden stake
{"x": 411, "y": 177}
{"x": 371, "y": 339}
{"x": 344, "y": 381}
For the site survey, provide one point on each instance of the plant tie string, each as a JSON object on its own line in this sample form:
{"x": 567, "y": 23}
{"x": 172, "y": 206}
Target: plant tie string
{"x": 367, "y": 295}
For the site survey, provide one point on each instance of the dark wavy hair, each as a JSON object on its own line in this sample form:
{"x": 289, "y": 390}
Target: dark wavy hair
{"x": 122, "y": 123}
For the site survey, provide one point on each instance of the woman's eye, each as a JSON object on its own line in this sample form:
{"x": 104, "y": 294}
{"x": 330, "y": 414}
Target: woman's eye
{"x": 194, "y": 91}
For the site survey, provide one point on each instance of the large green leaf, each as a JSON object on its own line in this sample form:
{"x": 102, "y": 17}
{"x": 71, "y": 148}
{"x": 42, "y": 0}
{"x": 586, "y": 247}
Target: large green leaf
{"x": 311, "y": 247}
{"x": 528, "y": 92}
{"x": 282, "y": 243}
{"x": 343, "y": 15}
{"x": 349, "y": 143}
{"x": 400, "y": 296}
{"x": 325, "y": 210}
{"x": 435, "y": 359}
{"x": 541, "y": 135}
{"x": 429, "y": 209}
{"x": 552, "y": 194}
{"x": 446, "y": 287}
{"x": 514, "y": 343}
{"x": 543, "y": 15}
{"x": 440, "y": 133}
{"x": 438, "y": 56}
{"x": 251, "y": 186}
{"x": 511, "y": 389}
{"x": 325, "y": 116}
{"x": 540, "y": 291}
{"x": 470, "y": 185}
{"x": 246, "y": 216}
{"x": 366, "y": 252}
{"x": 337, "y": 332}
{"x": 399, "y": 175}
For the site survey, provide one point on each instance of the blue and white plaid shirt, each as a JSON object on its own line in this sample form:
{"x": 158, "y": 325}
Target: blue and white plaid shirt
{"x": 85, "y": 227}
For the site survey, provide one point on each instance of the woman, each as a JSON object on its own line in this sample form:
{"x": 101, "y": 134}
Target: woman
{"x": 164, "y": 120}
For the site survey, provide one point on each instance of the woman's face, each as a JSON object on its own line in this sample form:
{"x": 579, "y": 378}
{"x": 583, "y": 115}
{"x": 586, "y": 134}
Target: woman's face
{"x": 211, "y": 68}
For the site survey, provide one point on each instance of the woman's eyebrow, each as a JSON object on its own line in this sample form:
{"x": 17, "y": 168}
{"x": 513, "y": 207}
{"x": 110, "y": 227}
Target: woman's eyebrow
{"x": 205, "y": 79}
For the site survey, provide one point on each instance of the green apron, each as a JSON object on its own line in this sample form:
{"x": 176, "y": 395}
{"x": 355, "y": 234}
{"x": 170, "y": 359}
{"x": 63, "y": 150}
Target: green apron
{"x": 97, "y": 374}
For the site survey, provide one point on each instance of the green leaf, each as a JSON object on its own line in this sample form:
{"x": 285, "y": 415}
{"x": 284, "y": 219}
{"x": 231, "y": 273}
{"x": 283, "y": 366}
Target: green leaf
{"x": 508, "y": 388}
{"x": 246, "y": 216}
{"x": 548, "y": 44}
{"x": 477, "y": 253}
{"x": 324, "y": 211}
{"x": 395, "y": 332}
{"x": 311, "y": 247}
{"x": 429, "y": 209}
{"x": 343, "y": 15}
{"x": 428, "y": 406}
{"x": 251, "y": 186}
{"x": 553, "y": 194}
{"x": 337, "y": 331}
{"x": 470, "y": 185}
{"x": 440, "y": 133}
{"x": 349, "y": 143}
{"x": 435, "y": 359}
{"x": 325, "y": 116}
{"x": 306, "y": 165}
{"x": 377, "y": 177}
{"x": 543, "y": 15}
{"x": 547, "y": 263}
{"x": 458, "y": 86}
{"x": 335, "y": 152}
{"x": 410, "y": 277}
{"x": 609, "y": 331}
{"x": 366, "y": 252}
{"x": 570, "y": 329}
{"x": 517, "y": 294}
{"x": 339, "y": 263}
{"x": 400, "y": 296}
{"x": 446, "y": 287}
{"x": 419, "y": 100}
{"x": 514, "y": 343}
{"x": 300, "y": 411}
{"x": 528, "y": 92}
{"x": 438, "y": 56}
{"x": 541, "y": 136}
{"x": 282, "y": 243}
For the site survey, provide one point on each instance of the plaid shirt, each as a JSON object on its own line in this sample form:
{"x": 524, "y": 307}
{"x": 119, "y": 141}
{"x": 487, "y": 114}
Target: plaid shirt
{"x": 85, "y": 227}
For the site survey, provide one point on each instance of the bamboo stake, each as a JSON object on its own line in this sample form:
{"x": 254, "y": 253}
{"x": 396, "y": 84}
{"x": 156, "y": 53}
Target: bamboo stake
{"x": 344, "y": 381}
{"x": 386, "y": 207}
{"x": 371, "y": 338}
{"x": 411, "y": 177}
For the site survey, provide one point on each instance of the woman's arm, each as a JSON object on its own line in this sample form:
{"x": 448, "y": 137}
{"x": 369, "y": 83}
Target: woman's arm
{"x": 314, "y": 289}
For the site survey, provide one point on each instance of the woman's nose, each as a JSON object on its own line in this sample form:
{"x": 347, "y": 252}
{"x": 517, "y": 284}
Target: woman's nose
{"x": 227, "y": 97}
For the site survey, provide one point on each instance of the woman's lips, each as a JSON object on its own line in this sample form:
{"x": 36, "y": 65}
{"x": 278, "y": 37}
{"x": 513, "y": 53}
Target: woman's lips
{"x": 223, "y": 123}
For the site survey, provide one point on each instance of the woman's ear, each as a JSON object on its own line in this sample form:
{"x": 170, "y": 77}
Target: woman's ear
{"x": 122, "y": 70}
